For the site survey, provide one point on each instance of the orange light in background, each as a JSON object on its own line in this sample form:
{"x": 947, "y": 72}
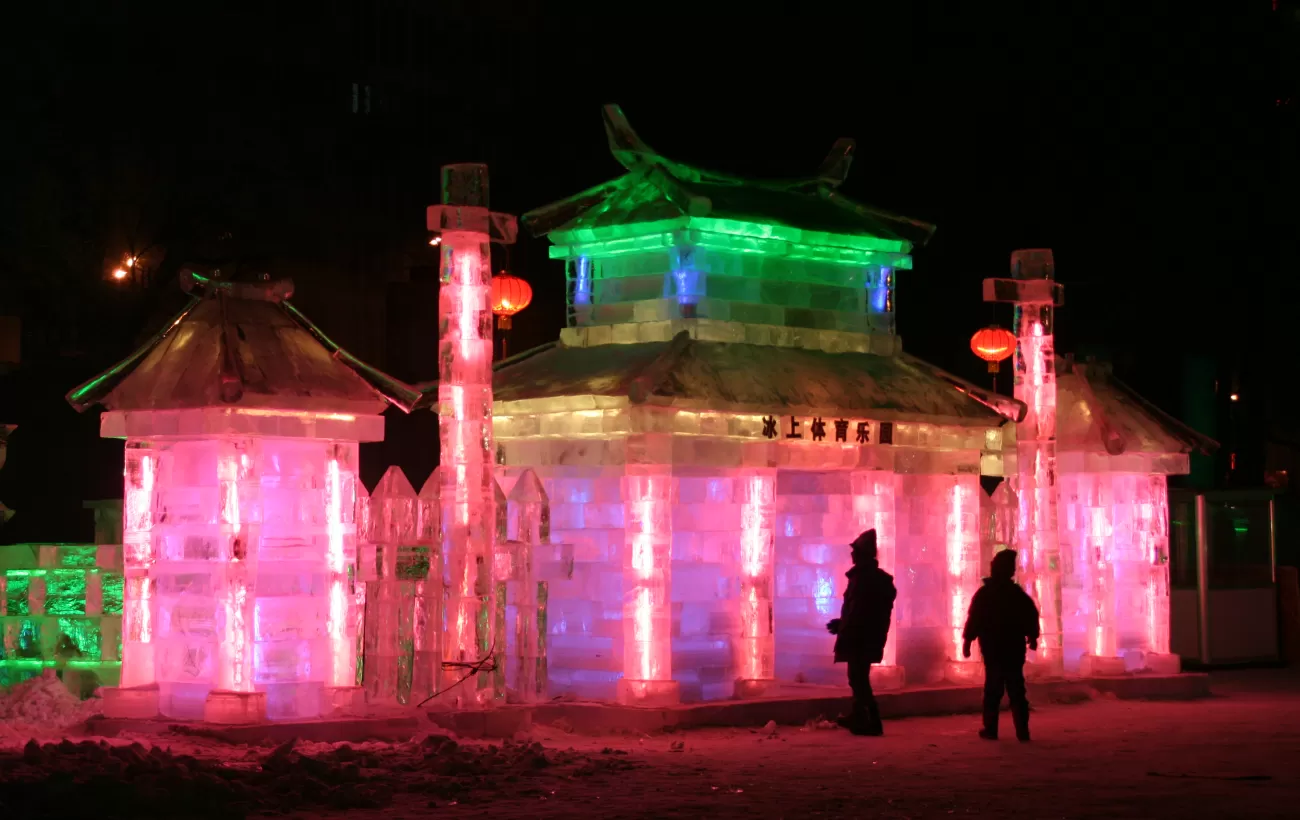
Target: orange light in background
{"x": 130, "y": 261}
{"x": 119, "y": 274}
{"x": 435, "y": 241}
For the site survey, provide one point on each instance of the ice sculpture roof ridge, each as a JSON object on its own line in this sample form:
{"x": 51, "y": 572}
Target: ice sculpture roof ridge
{"x": 656, "y": 188}
{"x": 241, "y": 343}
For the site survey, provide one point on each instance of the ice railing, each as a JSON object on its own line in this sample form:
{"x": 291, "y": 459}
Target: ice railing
{"x": 61, "y": 609}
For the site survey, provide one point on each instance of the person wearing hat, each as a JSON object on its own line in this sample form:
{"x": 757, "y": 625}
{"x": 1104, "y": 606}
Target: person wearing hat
{"x": 1004, "y": 619}
{"x": 862, "y": 629}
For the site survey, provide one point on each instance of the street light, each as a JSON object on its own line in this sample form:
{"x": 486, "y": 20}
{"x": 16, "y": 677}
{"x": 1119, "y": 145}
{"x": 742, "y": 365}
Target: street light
{"x": 119, "y": 274}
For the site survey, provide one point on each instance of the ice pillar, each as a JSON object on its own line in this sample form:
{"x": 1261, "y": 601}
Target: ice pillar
{"x": 233, "y": 698}
{"x": 137, "y": 694}
{"x": 1035, "y": 295}
{"x": 137, "y": 558}
{"x": 756, "y": 645}
{"x": 466, "y": 493}
{"x": 647, "y": 585}
{"x": 341, "y": 690}
{"x": 962, "y": 548}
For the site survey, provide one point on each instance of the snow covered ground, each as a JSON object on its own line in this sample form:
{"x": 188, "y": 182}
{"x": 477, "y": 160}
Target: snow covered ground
{"x": 1236, "y": 755}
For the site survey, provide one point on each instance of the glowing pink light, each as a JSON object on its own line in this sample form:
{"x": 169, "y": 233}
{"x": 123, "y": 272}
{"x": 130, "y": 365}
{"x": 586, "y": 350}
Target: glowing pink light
{"x": 962, "y": 564}
{"x": 342, "y": 650}
{"x": 757, "y": 640}
{"x": 234, "y": 663}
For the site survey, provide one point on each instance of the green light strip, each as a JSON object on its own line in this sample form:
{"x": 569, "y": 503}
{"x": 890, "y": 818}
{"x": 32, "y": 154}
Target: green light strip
{"x": 731, "y": 243}
{"x": 731, "y": 227}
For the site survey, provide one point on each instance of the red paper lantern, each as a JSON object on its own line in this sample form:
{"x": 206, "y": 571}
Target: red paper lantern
{"x": 510, "y": 294}
{"x": 993, "y": 344}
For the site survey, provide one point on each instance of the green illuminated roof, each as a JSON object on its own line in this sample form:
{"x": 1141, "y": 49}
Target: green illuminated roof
{"x": 659, "y": 195}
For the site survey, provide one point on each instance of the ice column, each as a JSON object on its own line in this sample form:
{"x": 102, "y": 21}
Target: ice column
{"x": 529, "y": 527}
{"x": 233, "y": 698}
{"x": 389, "y": 608}
{"x": 647, "y": 609}
{"x": 137, "y": 695}
{"x": 1151, "y": 524}
{"x": 756, "y": 645}
{"x": 1035, "y": 296}
{"x": 465, "y": 417}
{"x": 341, "y": 690}
{"x": 961, "y": 541}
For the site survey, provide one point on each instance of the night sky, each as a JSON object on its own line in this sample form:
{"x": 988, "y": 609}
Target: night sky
{"x": 1151, "y": 146}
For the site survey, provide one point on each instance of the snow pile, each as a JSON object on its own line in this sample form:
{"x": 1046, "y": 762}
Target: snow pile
{"x": 136, "y": 781}
{"x": 40, "y": 706}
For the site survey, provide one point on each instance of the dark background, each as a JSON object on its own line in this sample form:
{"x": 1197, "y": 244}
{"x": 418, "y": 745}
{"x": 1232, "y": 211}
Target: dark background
{"x": 1151, "y": 145}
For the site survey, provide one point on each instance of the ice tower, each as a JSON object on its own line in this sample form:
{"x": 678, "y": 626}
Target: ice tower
{"x": 727, "y": 409}
{"x": 242, "y": 422}
{"x": 467, "y": 489}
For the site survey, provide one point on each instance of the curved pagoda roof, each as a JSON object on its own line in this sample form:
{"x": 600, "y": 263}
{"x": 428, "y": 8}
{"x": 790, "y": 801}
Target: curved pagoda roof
{"x": 1097, "y": 413}
{"x": 660, "y": 194}
{"x": 743, "y": 378}
{"x": 242, "y": 345}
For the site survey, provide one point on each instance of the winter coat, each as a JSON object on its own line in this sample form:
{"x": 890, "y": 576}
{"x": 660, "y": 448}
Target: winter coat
{"x": 1002, "y": 618}
{"x": 864, "y": 618}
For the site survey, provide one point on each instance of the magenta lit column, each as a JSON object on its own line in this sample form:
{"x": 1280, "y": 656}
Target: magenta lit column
{"x": 1036, "y": 295}
{"x": 466, "y": 491}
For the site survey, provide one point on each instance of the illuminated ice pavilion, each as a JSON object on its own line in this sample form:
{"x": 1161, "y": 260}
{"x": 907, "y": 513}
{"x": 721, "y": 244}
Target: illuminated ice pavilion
{"x": 242, "y": 422}
{"x": 730, "y": 405}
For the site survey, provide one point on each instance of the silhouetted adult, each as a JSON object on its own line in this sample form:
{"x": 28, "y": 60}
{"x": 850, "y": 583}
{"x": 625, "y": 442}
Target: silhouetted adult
{"x": 862, "y": 629}
{"x": 1004, "y": 619}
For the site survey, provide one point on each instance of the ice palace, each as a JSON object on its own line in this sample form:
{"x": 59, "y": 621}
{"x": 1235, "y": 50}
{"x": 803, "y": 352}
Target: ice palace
{"x": 653, "y": 509}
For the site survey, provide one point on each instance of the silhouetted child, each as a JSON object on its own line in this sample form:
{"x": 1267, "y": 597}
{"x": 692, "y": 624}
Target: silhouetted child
{"x": 1004, "y": 619}
{"x": 862, "y": 629}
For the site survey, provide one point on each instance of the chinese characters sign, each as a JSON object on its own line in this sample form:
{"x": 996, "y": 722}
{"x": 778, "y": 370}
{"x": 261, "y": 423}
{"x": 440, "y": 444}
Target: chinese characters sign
{"x": 816, "y": 428}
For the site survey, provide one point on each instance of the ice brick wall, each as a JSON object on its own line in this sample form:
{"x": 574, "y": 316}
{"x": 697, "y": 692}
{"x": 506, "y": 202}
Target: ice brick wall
{"x": 1114, "y": 534}
{"x": 585, "y": 594}
{"x": 939, "y": 559}
{"x": 60, "y": 607}
{"x": 707, "y": 532}
{"x": 815, "y": 523}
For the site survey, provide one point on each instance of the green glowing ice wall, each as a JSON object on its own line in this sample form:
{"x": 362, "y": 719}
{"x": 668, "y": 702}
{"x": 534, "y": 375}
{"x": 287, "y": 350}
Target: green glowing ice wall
{"x": 60, "y": 608}
{"x": 730, "y": 270}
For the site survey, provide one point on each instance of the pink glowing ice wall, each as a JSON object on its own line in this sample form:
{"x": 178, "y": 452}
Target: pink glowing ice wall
{"x": 465, "y": 418}
{"x": 1035, "y": 296}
